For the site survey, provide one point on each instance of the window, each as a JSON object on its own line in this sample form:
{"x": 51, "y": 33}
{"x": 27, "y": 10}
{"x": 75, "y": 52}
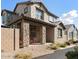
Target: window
{"x": 6, "y": 18}
{"x": 70, "y": 34}
{"x": 51, "y": 19}
{"x": 39, "y": 14}
{"x": 59, "y": 32}
{"x": 26, "y": 10}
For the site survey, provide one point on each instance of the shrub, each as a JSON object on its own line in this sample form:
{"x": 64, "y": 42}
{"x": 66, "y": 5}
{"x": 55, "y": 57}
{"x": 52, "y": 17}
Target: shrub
{"x": 53, "y": 46}
{"x": 74, "y": 42}
{"x": 72, "y": 54}
{"x": 67, "y": 43}
{"x": 57, "y": 45}
{"x": 71, "y": 41}
{"x": 23, "y": 56}
{"x": 62, "y": 45}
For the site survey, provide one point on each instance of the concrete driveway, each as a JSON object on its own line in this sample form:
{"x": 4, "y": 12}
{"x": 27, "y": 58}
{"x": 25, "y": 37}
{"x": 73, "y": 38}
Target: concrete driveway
{"x": 58, "y": 54}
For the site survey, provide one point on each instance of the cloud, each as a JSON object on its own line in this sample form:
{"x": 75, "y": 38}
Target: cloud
{"x": 69, "y": 17}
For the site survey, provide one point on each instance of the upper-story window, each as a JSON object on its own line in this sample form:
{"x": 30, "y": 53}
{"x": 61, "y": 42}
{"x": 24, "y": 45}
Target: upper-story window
{"x": 26, "y": 10}
{"x": 51, "y": 19}
{"x": 39, "y": 14}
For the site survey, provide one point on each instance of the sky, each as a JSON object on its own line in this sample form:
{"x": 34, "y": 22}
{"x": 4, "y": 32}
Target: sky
{"x": 67, "y": 10}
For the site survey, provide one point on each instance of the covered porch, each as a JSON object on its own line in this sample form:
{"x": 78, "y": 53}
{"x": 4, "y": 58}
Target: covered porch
{"x": 34, "y": 32}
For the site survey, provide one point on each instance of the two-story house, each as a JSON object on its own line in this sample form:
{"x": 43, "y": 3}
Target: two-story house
{"x": 37, "y": 25}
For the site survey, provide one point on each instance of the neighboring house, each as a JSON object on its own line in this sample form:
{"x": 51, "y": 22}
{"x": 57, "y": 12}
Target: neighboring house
{"x": 71, "y": 32}
{"x": 59, "y": 35}
{"x": 37, "y": 25}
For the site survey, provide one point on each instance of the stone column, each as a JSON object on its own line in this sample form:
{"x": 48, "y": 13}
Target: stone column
{"x": 25, "y": 34}
{"x": 43, "y": 34}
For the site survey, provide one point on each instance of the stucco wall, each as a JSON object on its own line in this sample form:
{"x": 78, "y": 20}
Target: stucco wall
{"x": 7, "y": 39}
{"x": 57, "y": 39}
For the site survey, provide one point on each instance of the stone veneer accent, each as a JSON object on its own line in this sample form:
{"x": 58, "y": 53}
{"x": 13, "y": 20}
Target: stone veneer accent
{"x": 43, "y": 34}
{"x": 25, "y": 34}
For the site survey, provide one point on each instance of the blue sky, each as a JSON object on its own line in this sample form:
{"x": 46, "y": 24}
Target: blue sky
{"x": 62, "y": 8}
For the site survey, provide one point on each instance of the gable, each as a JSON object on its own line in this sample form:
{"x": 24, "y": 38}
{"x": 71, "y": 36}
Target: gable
{"x": 72, "y": 28}
{"x": 40, "y": 4}
{"x": 20, "y": 8}
{"x": 61, "y": 25}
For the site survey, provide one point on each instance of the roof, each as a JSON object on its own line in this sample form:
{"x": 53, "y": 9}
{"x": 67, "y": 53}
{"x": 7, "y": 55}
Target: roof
{"x": 69, "y": 26}
{"x": 32, "y": 20}
{"x": 28, "y": 2}
{"x": 7, "y": 11}
{"x": 3, "y": 26}
{"x": 59, "y": 22}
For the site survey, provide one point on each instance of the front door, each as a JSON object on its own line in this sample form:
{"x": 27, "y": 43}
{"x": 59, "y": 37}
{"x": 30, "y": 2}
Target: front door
{"x": 33, "y": 34}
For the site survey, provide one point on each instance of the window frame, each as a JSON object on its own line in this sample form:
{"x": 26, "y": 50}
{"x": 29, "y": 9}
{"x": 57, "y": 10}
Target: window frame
{"x": 42, "y": 14}
{"x": 70, "y": 34}
{"x": 50, "y": 17}
{"x": 60, "y": 33}
{"x": 25, "y": 10}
